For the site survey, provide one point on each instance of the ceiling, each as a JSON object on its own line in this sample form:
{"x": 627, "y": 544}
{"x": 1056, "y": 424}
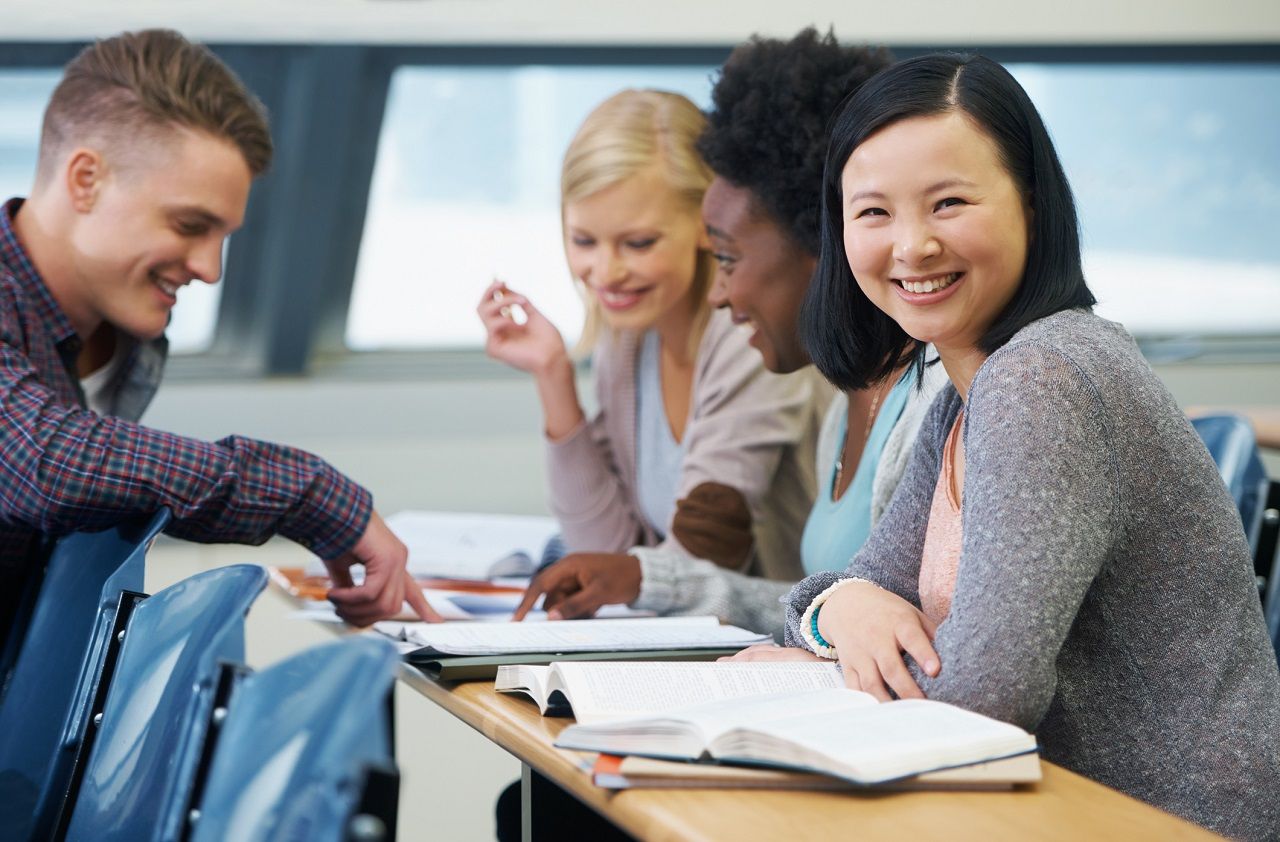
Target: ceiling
{"x": 652, "y": 21}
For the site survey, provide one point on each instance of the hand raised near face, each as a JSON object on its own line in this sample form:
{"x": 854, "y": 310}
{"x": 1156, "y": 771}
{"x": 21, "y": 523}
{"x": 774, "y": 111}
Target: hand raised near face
{"x": 578, "y": 584}
{"x": 517, "y": 333}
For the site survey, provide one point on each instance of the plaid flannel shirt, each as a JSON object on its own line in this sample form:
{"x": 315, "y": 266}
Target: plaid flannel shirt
{"x": 65, "y": 468}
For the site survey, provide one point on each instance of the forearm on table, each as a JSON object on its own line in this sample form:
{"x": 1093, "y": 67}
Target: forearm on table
{"x": 674, "y": 583}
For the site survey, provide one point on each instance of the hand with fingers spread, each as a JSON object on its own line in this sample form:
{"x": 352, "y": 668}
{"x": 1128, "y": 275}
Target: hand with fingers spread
{"x": 578, "y": 584}
{"x": 387, "y": 583}
{"x": 870, "y": 629}
{"x": 772, "y": 652}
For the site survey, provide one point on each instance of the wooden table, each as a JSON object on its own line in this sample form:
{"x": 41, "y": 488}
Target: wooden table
{"x": 1062, "y": 806}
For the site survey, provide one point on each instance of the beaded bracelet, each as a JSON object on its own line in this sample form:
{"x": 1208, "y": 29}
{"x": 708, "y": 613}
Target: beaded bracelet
{"x": 809, "y": 620}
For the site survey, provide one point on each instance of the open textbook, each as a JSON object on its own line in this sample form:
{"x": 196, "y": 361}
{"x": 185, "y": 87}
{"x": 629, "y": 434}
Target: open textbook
{"x": 833, "y": 731}
{"x": 601, "y": 692}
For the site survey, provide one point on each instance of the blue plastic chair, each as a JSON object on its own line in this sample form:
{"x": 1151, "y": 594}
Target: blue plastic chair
{"x": 1231, "y": 442}
{"x": 138, "y": 780}
{"x": 58, "y": 665}
{"x": 1234, "y": 448}
{"x": 305, "y": 749}
{"x": 1268, "y": 552}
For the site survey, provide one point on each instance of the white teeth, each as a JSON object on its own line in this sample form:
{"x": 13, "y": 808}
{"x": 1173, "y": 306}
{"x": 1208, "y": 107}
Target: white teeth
{"x": 931, "y": 285}
{"x": 170, "y": 289}
{"x": 618, "y": 297}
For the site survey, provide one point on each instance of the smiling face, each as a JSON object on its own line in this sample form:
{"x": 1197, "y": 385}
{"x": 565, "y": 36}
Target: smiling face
{"x": 147, "y": 228}
{"x": 935, "y": 229}
{"x": 761, "y": 273}
{"x": 634, "y": 246}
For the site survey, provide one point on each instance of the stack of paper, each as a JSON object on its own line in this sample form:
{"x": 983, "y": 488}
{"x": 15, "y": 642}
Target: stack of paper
{"x": 572, "y": 636}
{"x": 462, "y": 651}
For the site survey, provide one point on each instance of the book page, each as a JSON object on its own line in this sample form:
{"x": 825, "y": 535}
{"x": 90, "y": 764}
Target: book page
{"x": 530, "y": 679}
{"x": 600, "y": 691}
{"x": 770, "y": 712}
{"x": 578, "y": 636}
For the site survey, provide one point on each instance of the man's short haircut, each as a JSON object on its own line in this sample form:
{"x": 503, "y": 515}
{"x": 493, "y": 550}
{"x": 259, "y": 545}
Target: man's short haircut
{"x": 771, "y": 116}
{"x": 146, "y": 82}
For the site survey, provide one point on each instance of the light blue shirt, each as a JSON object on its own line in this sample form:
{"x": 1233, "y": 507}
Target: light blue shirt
{"x": 658, "y": 454}
{"x": 837, "y": 529}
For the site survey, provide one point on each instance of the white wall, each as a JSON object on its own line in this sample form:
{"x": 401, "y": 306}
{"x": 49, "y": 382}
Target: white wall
{"x": 475, "y": 445}
{"x": 656, "y": 21}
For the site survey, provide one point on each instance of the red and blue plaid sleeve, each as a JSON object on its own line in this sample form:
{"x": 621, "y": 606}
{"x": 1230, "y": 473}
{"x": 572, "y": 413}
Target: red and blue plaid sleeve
{"x": 64, "y": 468}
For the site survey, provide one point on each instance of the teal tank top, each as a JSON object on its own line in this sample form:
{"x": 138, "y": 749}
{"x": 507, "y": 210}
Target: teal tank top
{"x": 837, "y": 529}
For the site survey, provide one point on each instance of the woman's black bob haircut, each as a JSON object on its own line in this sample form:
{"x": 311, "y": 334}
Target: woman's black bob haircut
{"x": 852, "y": 342}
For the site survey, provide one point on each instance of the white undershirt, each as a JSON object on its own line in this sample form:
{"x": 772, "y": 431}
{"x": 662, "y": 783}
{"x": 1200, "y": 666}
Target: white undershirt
{"x": 96, "y": 383}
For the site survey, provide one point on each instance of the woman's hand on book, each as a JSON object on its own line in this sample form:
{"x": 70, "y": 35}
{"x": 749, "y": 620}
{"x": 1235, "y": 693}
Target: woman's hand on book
{"x": 870, "y": 629}
{"x": 772, "y": 652}
{"x": 578, "y": 584}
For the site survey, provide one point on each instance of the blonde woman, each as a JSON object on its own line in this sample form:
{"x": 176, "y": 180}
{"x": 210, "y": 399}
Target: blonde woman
{"x": 695, "y": 447}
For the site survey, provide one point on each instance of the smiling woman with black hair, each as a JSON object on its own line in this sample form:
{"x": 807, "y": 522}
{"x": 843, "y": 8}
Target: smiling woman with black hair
{"x": 1061, "y": 552}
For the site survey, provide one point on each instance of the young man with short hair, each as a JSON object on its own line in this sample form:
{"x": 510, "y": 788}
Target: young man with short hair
{"x": 148, "y": 149}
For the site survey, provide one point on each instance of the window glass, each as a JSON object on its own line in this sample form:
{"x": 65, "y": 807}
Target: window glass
{"x": 23, "y": 95}
{"x": 1174, "y": 168}
{"x": 1177, "y": 181}
{"x": 466, "y": 189}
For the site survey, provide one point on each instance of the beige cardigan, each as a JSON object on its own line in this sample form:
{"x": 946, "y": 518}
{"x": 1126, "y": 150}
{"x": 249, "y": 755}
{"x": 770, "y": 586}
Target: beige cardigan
{"x": 749, "y": 429}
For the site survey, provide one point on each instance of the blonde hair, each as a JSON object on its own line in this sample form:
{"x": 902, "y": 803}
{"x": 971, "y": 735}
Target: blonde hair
{"x": 629, "y": 132}
{"x": 140, "y": 83}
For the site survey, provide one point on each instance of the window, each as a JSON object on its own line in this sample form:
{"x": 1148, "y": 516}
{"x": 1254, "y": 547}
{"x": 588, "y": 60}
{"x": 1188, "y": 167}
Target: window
{"x": 1173, "y": 165}
{"x": 1177, "y": 183}
{"x": 466, "y": 189}
{"x": 23, "y": 95}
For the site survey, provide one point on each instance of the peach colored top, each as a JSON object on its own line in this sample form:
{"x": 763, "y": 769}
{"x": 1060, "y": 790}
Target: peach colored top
{"x": 942, "y": 538}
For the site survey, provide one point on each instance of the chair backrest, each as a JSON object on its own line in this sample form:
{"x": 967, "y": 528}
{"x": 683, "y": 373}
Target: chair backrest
{"x": 1231, "y": 441}
{"x": 1234, "y": 448}
{"x": 58, "y": 662}
{"x": 299, "y": 747}
{"x": 137, "y": 781}
{"x": 1269, "y": 552}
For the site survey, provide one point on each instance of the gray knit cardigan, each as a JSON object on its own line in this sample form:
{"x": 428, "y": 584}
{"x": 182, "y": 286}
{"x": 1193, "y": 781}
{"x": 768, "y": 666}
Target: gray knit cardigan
{"x": 1105, "y": 597}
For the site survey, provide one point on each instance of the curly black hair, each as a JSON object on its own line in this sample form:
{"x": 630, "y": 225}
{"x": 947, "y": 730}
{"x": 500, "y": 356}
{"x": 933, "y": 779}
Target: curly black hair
{"x": 771, "y": 116}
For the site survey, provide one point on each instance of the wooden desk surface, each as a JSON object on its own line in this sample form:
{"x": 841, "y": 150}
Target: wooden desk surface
{"x": 1062, "y": 806}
